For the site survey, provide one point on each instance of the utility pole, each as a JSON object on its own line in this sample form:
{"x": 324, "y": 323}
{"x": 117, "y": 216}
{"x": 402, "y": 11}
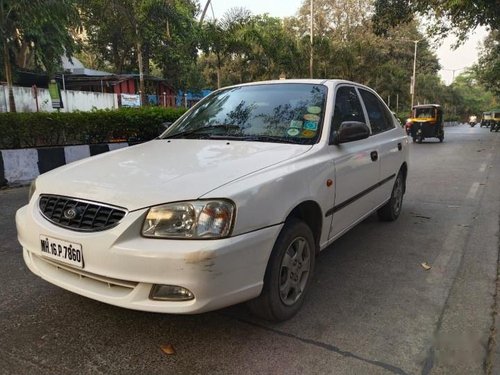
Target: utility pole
{"x": 412, "y": 88}
{"x": 204, "y": 12}
{"x": 311, "y": 34}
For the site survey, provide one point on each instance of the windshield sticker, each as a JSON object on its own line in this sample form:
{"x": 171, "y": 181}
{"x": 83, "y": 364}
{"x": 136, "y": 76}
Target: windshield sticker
{"x": 296, "y": 124}
{"x": 311, "y": 125}
{"x": 313, "y": 109}
{"x": 308, "y": 133}
{"x": 310, "y": 117}
{"x": 293, "y": 132}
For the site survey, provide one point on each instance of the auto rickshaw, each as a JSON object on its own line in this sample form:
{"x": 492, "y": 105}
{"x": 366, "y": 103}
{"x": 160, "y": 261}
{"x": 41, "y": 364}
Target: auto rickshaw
{"x": 486, "y": 119}
{"x": 427, "y": 122}
{"x": 495, "y": 120}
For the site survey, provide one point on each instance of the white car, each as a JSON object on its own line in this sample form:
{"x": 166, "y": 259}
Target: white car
{"x": 232, "y": 203}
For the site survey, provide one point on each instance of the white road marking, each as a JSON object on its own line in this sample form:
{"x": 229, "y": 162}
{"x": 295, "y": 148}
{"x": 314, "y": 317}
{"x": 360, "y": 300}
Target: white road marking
{"x": 483, "y": 167}
{"x": 473, "y": 190}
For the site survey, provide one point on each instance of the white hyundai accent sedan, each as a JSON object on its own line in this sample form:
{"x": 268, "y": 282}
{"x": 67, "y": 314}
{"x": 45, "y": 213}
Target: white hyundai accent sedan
{"x": 232, "y": 203}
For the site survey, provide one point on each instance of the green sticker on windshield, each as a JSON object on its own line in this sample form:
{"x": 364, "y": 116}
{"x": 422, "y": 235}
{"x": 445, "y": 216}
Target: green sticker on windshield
{"x": 314, "y": 109}
{"x": 296, "y": 124}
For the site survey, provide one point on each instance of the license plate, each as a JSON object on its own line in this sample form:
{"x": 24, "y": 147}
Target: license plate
{"x": 63, "y": 251}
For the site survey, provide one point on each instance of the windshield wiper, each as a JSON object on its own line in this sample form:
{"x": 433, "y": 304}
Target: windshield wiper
{"x": 203, "y": 131}
{"x": 269, "y": 138}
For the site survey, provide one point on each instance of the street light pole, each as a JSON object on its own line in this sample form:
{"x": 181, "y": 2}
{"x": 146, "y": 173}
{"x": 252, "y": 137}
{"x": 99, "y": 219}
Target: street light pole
{"x": 412, "y": 89}
{"x": 311, "y": 34}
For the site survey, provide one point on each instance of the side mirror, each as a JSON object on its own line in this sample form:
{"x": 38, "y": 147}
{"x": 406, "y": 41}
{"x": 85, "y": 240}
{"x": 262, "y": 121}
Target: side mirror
{"x": 350, "y": 131}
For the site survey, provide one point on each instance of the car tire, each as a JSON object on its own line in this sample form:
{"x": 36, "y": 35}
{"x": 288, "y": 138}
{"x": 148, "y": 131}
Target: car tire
{"x": 391, "y": 210}
{"x": 288, "y": 273}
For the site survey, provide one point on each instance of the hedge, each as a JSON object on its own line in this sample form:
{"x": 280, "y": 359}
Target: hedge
{"x": 19, "y": 130}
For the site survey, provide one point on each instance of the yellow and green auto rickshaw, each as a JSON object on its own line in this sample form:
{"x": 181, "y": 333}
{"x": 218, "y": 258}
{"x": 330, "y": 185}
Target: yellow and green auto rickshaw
{"x": 495, "y": 120}
{"x": 486, "y": 119}
{"x": 427, "y": 122}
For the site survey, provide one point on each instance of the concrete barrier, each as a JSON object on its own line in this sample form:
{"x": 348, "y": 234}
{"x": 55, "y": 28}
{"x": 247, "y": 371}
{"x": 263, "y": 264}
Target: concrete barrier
{"x": 19, "y": 167}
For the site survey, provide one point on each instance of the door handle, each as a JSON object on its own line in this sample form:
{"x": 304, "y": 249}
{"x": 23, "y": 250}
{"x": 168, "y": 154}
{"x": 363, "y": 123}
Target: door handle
{"x": 374, "y": 155}
{"x": 400, "y": 147}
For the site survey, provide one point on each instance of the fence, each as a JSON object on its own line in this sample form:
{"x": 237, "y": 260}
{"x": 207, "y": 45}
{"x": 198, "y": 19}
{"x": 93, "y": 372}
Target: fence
{"x": 28, "y": 99}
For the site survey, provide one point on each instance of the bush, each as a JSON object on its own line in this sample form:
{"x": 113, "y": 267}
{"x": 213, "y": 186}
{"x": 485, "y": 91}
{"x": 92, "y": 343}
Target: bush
{"x": 60, "y": 128}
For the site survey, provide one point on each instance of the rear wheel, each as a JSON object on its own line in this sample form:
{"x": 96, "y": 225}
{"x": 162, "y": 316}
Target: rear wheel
{"x": 391, "y": 210}
{"x": 288, "y": 273}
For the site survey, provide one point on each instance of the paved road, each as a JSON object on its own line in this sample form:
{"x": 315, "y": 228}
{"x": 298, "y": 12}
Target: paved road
{"x": 373, "y": 309}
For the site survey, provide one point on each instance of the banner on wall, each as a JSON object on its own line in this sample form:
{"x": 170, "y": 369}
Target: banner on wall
{"x": 130, "y": 100}
{"x": 55, "y": 95}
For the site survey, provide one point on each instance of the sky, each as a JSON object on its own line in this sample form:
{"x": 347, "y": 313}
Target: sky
{"x": 453, "y": 62}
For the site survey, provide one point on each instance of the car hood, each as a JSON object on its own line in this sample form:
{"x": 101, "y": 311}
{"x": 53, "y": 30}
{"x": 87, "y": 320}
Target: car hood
{"x": 163, "y": 171}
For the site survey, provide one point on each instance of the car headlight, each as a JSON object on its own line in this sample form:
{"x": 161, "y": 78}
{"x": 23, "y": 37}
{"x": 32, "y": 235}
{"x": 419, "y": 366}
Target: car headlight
{"x": 32, "y": 189}
{"x": 201, "y": 219}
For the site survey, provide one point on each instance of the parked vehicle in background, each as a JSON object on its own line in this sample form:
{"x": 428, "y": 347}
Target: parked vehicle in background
{"x": 427, "y": 122}
{"x": 486, "y": 119}
{"x": 408, "y": 126}
{"x": 495, "y": 120}
{"x": 472, "y": 120}
{"x": 231, "y": 203}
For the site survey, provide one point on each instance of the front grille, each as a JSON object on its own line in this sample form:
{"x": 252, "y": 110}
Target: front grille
{"x": 78, "y": 214}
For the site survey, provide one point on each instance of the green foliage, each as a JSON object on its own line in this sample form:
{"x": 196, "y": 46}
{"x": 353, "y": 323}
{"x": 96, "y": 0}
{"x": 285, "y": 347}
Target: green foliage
{"x": 37, "y": 32}
{"x": 455, "y": 16}
{"x": 61, "y": 128}
{"x": 488, "y": 67}
{"x": 157, "y": 32}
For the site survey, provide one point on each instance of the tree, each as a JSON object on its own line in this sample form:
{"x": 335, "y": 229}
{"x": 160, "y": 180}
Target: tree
{"x": 36, "y": 31}
{"x": 223, "y": 38}
{"x": 130, "y": 34}
{"x": 488, "y": 66}
{"x": 473, "y": 96}
{"x": 457, "y": 16}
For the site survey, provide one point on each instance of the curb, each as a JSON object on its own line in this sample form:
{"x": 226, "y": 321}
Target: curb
{"x": 19, "y": 167}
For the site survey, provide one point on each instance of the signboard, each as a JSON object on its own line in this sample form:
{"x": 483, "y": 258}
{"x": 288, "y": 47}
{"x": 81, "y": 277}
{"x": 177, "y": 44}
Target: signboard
{"x": 130, "y": 100}
{"x": 55, "y": 95}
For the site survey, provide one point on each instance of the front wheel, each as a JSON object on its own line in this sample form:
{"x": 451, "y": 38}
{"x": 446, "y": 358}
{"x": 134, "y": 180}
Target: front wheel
{"x": 288, "y": 273}
{"x": 391, "y": 210}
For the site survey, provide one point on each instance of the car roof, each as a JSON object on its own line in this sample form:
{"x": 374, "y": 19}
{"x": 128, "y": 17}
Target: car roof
{"x": 301, "y": 80}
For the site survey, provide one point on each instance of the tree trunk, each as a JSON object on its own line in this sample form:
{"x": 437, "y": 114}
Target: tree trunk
{"x": 138, "y": 46}
{"x": 219, "y": 63}
{"x": 8, "y": 76}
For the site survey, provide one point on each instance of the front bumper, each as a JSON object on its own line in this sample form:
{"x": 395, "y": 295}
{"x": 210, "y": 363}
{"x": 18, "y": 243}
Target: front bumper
{"x": 121, "y": 266}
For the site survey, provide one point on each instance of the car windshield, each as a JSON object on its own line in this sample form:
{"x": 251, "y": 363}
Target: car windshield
{"x": 281, "y": 112}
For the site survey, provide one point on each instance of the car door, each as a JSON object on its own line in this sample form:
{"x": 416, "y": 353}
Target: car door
{"x": 390, "y": 140}
{"x": 356, "y": 166}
